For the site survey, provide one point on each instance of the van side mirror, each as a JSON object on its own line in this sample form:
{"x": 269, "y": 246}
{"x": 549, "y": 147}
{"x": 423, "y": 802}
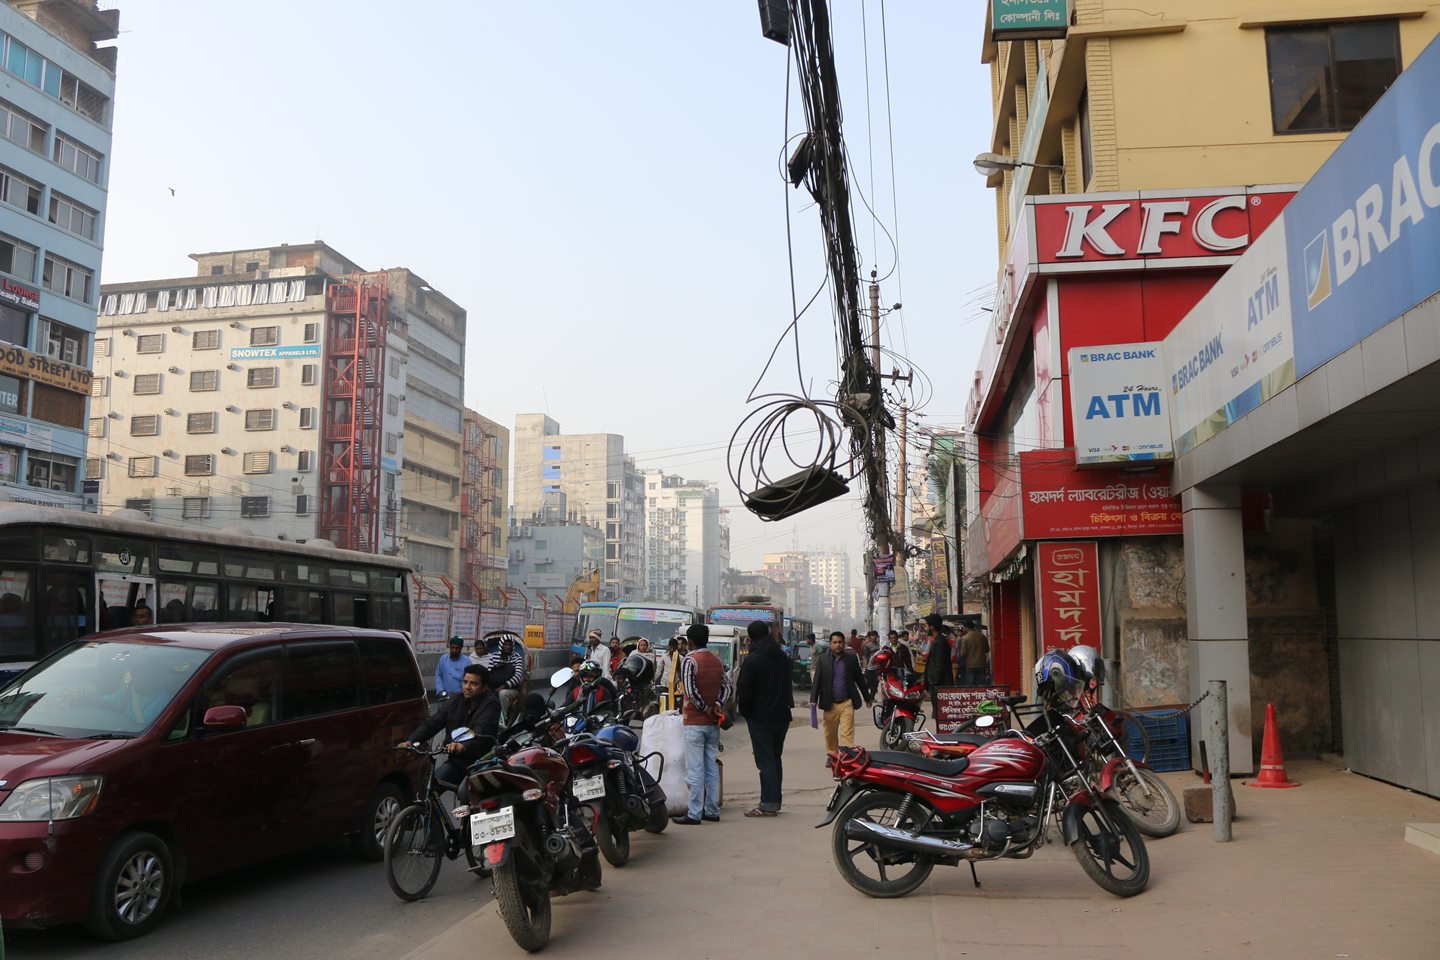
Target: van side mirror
{"x": 228, "y": 717}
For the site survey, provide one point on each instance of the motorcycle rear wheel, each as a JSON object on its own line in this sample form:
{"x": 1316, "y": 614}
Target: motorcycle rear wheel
{"x": 1118, "y": 863}
{"x": 526, "y": 912}
{"x": 882, "y": 807}
{"x": 1156, "y": 814}
{"x": 414, "y": 847}
{"x": 613, "y": 838}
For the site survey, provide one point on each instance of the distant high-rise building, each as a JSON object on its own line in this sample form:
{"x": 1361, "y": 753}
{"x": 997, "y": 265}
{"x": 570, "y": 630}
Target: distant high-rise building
{"x": 831, "y": 573}
{"x": 55, "y": 116}
{"x": 601, "y": 485}
{"x": 484, "y": 489}
{"x": 682, "y": 540}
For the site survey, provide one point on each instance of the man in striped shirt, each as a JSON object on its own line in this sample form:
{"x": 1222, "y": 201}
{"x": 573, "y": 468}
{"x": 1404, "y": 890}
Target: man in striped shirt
{"x": 706, "y": 686}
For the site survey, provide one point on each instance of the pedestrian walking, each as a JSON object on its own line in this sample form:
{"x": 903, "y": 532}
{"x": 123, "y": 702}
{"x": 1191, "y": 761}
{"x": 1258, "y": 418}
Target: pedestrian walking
{"x": 974, "y": 656}
{"x": 706, "y": 686}
{"x": 868, "y": 649}
{"x": 838, "y": 691}
{"x": 938, "y": 671}
{"x": 765, "y": 697}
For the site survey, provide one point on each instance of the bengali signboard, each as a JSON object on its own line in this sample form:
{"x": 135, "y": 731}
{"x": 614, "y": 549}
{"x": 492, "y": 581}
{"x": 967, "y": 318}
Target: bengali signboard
{"x": 884, "y": 568}
{"x": 47, "y": 370}
{"x": 1117, "y": 403}
{"x": 432, "y": 626}
{"x": 955, "y": 705}
{"x": 1067, "y": 593}
{"x": 1028, "y": 19}
{"x": 1059, "y": 501}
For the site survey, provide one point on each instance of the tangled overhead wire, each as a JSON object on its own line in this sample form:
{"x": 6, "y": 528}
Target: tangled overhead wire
{"x": 803, "y": 435}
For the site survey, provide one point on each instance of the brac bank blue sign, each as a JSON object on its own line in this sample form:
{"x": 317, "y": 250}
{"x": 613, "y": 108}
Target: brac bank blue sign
{"x": 1364, "y": 233}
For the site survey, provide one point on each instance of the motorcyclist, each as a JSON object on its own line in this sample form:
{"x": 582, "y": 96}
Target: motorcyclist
{"x": 596, "y": 692}
{"x": 477, "y": 710}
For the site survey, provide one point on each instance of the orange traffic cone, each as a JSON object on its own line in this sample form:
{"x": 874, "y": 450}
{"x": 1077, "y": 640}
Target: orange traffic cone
{"x": 1272, "y": 761}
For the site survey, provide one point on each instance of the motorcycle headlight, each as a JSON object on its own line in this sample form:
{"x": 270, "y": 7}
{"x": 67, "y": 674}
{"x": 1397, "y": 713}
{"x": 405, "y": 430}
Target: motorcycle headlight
{"x": 51, "y": 798}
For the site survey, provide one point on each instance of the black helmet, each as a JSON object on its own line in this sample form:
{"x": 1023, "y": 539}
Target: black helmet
{"x": 639, "y": 669}
{"x": 589, "y": 671}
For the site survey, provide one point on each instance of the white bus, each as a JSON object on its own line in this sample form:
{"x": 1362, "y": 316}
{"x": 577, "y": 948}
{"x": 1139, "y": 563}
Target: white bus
{"x": 66, "y": 574}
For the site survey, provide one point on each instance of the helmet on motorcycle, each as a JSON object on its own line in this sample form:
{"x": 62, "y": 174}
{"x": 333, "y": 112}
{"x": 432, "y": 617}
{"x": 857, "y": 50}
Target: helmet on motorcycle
{"x": 1089, "y": 664}
{"x": 589, "y": 671}
{"x": 1055, "y": 674}
{"x": 881, "y": 661}
{"x": 637, "y": 668}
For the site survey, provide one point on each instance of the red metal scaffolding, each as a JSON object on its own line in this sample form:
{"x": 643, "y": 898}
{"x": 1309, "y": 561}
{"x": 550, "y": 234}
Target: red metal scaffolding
{"x": 352, "y": 425}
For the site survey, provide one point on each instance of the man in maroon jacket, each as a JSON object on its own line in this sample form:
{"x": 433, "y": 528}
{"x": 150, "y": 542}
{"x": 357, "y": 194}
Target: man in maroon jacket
{"x": 706, "y": 686}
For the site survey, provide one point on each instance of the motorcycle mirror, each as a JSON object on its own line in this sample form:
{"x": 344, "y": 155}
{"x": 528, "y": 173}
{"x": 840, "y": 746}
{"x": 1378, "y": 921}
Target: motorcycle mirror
{"x": 561, "y": 677}
{"x": 985, "y": 721}
{"x": 461, "y": 734}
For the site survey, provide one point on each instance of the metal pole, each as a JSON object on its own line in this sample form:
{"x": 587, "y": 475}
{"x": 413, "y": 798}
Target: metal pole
{"x": 1218, "y": 736}
{"x": 882, "y": 545}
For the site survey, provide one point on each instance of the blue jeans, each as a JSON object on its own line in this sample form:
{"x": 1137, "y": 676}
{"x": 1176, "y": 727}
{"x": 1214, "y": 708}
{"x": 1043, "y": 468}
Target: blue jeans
{"x": 702, "y": 772}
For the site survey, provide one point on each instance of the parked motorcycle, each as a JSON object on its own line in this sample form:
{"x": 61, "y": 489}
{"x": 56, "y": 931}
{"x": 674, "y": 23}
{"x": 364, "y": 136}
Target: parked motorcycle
{"x": 530, "y": 831}
{"x": 1137, "y": 788}
{"x": 896, "y": 815}
{"x": 900, "y": 694}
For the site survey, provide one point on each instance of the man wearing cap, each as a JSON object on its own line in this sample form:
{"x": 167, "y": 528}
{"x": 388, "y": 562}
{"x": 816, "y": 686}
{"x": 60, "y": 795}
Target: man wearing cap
{"x": 598, "y": 652}
{"x": 450, "y": 669}
{"x": 706, "y": 686}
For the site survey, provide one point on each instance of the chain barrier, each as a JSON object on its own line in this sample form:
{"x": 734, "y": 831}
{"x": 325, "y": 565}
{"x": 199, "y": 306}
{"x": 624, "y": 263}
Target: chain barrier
{"x": 1170, "y": 714}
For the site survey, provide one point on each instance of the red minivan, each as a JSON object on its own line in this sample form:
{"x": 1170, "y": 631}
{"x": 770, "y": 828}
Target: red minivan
{"x": 135, "y": 760}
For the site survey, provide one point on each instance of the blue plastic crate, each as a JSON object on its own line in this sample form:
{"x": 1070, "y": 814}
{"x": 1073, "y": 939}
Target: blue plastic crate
{"x": 1165, "y": 755}
{"x": 1164, "y": 724}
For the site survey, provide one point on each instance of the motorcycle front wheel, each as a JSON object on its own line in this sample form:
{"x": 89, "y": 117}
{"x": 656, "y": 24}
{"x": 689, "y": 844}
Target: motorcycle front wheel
{"x": 1117, "y": 861}
{"x": 893, "y": 736}
{"x": 1148, "y": 801}
{"x": 523, "y": 903}
{"x": 872, "y": 871}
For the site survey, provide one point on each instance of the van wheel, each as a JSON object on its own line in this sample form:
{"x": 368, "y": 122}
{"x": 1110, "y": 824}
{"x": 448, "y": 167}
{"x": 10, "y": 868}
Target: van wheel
{"x": 380, "y": 812}
{"x": 132, "y": 888}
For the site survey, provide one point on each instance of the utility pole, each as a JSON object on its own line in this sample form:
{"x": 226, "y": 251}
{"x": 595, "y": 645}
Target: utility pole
{"x": 882, "y": 543}
{"x": 901, "y": 481}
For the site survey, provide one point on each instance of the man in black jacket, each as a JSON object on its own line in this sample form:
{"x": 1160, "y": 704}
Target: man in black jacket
{"x": 764, "y": 697}
{"x": 938, "y": 672}
{"x": 838, "y": 690}
{"x": 476, "y": 709}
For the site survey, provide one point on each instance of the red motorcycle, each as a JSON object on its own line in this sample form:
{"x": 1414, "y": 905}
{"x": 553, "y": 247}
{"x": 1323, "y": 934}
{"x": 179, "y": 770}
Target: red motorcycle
{"x": 900, "y": 694}
{"x": 897, "y": 815}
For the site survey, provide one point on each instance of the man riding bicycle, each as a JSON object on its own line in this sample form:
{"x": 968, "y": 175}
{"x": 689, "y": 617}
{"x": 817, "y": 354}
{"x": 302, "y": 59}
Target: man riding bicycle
{"x": 477, "y": 710}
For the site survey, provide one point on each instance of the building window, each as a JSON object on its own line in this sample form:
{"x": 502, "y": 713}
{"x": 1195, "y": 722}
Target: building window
{"x": 251, "y": 507}
{"x": 94, "y": 468}
{"x": 102, "y": 347}
{"x": 150, "y": 343}
{"x": 394, "y": 366}
{"x": 260, "y": 419}
{"x": 143, "y": 466}
{"x": 195, "y": 508}
{"x": 52, "y": 471}
{"x": 19, "y": 126}
{"x": 309, "y": 375}
{"x": 20, "y": 192}
{"x": 64, "y": 342}
{"x": 217, "y": 271}
{"x": 1323, "y": 78}
{"x": 259, "y": 377}
{"x": 97, "y": 427}
{"x": 257, "y": 461}
{"x": 252, "y": 266}
{"x": 146, "y": 426}
{"x": 264, "y": 336}
{"x": 76, "y": 157}
{"x": 200, "y": 423}
{"x": 304, "y": 461}
{"x": 312, "y": 332}
{"x": 302, "y": 505}
{"x": 307, "y": 418}
{"x": 100, "y": 387}
{"x": 200, "y": 465}
{"x": 392, "y": 404}
{"x": 205, "y": 340}
{"x": 204, "y": 381}
{"x": 72, "y": 216}
{"x": 147, "y": 384}
{"x": 17, "y": 258}
{"x": 392, "y": 443}
{"x": 142, "y": 505}
{"x": 66, "y": 278}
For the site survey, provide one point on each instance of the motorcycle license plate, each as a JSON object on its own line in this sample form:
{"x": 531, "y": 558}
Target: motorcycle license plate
{"x": 489, "y": 827}
{"x": 590, "y": 787}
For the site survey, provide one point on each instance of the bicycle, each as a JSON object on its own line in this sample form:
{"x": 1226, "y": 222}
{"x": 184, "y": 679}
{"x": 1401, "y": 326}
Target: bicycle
{"x": 421, "y": 836}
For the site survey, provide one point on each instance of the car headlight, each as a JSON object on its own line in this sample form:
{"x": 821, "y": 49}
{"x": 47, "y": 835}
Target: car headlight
{"x": 51, "y": 798}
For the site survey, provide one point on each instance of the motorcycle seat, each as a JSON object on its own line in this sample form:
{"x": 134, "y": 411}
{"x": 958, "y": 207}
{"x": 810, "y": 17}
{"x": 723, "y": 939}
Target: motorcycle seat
{"x": 895, "y": 758}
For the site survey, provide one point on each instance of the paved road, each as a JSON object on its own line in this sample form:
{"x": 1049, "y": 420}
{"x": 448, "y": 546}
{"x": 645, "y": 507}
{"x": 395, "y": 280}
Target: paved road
{"x": 320, "y": 904}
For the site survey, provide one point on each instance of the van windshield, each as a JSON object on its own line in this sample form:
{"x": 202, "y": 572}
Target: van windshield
{"x": 98, "y": 689}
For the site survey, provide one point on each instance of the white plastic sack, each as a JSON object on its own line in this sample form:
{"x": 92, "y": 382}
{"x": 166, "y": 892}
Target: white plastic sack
{"x": 664, "y": 733}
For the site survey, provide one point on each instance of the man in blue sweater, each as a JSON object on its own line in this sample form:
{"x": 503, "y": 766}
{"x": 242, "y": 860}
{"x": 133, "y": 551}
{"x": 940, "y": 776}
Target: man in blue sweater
{"x": 450, "y": 669}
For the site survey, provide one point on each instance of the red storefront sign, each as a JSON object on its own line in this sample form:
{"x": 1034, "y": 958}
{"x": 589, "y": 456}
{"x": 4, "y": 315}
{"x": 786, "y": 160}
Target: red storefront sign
{"x": 1067, "y": 591}
{"x": 1080, "y": 229}
{"x": 1058, "y": 501}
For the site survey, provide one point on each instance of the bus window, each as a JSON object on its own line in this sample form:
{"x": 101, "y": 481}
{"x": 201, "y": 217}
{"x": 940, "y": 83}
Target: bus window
{"x": 343, "y": 609}
{"x": 293, "y": 572}
{"x": 184, "y": 558}
{"x": 66, "y": 548}
{"x": 247, "y": 567}
{"x": 303, "y": 606}
{"x": 17, "y": 613}
{"x": 390, "y": 613}
{"x": 245, "y": 602}
{"x": 67, "y": 608}
{"x": 386, "y": 581}
{"x": 113, "y": 555}
{"x": 184, "y": 601}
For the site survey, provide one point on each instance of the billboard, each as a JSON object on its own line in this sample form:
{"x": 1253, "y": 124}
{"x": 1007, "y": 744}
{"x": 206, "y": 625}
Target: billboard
{"x": 1067, "y": 594}
{"x": 1029, "y": 19}
{"x": 1059, "y": 501}
{"x": 1117, "y": 404}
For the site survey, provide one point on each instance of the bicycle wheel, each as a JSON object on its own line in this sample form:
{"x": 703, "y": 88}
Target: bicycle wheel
{"x": 1131, "y": 730}
{"x": 414, "y": 847}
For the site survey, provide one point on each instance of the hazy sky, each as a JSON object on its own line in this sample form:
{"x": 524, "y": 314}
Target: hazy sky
{"x": 596, "y": 183}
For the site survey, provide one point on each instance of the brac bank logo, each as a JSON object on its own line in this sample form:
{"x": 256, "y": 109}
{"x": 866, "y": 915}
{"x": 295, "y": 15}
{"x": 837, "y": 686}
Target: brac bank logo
{"x": 1317, "y": 270}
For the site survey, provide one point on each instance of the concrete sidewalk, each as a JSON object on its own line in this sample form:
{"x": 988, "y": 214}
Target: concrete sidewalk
{"x": 1322, "y": 871}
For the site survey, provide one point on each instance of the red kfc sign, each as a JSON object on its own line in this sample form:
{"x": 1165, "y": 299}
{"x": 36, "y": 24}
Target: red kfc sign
{"x": 1057, "y": 500}
{"x": 1067, "y": 591}
{"x": 1077, "y": 229}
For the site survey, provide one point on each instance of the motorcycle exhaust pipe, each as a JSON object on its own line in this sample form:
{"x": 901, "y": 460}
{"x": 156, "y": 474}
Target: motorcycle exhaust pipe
{"x": 945, "y": 850}
{"x": 557, "y": 845}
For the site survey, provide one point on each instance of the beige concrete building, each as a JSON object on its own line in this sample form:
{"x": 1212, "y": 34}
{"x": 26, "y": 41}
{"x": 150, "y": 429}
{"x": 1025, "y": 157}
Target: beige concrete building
{"x": 483, "y": 495}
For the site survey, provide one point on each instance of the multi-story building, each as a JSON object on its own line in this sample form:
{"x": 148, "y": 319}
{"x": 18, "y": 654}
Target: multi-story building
{"x": 682, "y": 540}
{"x": 549, "y": 553}
{"x": 803, "y": 597}
{"x": 601, "y": 486}
{"x": 56, "y": 110}
{"x": 830, "y": 572}
{"x": 272, "y": 392}
{"x": 1130, "y": 146}
{"x": 484, "y": 488}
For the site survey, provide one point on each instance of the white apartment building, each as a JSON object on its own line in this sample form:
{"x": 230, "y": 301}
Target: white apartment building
{"x": 683, "y": 560}
{"x": 831, "y": 573}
